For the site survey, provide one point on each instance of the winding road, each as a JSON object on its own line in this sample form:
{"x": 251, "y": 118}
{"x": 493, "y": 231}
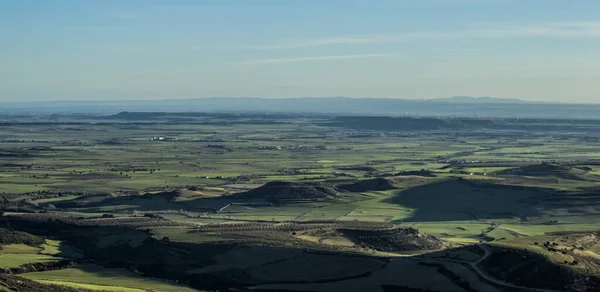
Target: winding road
{"x": 488, "y": 252}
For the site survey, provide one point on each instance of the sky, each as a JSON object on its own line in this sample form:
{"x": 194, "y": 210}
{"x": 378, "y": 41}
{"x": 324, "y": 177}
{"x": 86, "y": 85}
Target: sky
{"x": 538, "y": 50}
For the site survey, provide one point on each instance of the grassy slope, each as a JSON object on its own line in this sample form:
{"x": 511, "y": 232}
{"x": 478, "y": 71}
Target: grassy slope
{"x": 97, "y": 278}
{"x": 91, "y": 286}
{"x": 15, "y": 255}
{"x": 8, "y": 260}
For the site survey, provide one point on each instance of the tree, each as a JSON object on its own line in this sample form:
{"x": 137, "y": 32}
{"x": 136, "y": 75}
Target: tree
{"x": 29, "y": 201}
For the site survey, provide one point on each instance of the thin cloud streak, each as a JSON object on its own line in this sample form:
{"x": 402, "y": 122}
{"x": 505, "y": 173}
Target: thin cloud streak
{"x": 555, "y": 30}
{"x": 320, "y": 58}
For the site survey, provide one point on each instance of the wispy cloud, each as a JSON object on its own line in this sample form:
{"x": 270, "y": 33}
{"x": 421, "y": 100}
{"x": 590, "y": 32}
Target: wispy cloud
{"x": 550, "y": 29}
{"x": 557, "y": 29}
{"x": 319, "y": 58}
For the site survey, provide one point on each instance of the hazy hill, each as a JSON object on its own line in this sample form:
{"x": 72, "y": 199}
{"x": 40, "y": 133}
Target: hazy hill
{"x": 457, "y": 106}
{"x": 484, "y": 100}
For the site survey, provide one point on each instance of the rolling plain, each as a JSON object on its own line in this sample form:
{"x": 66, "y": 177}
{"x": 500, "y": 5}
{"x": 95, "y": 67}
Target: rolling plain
{"x": 291, "y": 202}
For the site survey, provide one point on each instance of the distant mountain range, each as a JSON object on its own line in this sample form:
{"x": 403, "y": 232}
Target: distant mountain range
{"x": 485, "y": 99}
{"x": 460, "y": 106}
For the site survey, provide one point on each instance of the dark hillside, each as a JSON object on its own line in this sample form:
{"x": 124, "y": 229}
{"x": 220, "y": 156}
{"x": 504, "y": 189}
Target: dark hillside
{"x": 105, "y": 200}
{"x": 398, "y": 239}
{"x": 376, "y": 184}
{"x": 547, "y": 169}
{"x": 4, "y": 202}
{"x": 9, "y": 236}
{"x": 280, "y": 191}
{"x": 530, "y": 269}
{"x": 425, "y": 173}
{"x": 18, "y": 284}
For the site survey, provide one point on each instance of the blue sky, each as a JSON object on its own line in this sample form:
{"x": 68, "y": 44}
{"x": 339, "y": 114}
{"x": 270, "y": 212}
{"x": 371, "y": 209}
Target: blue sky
{"x": 545, "y": 50}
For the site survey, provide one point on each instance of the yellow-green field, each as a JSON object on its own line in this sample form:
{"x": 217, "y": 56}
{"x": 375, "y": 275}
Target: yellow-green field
{"x": 97, "y": 278}
{"x": 14, "y": 260}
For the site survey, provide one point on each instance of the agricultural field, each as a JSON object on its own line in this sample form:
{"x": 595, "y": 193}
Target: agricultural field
{"x": 11, "y": 259}
{"x": 98, "y": 278}
{"x": 195, "y": 201}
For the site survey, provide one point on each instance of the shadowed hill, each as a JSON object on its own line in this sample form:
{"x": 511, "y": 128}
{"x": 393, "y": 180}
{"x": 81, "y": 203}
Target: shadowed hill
{"x": 398, "y": 239}
{"x": 166, "y": 200}
{"x": 281, "y": 191}
{"x": 517, "y": 265}
{"x": 9, "y": 236}
{"x": 547, "y": 170}
{"x": 376, "y": 184}
{"x": 422, "y": 172}
{"x": 106, "y": 200}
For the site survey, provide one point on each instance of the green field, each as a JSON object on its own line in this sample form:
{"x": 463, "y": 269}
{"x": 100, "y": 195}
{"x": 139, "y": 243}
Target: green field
{"x": 97, "y": 278}
{"x": 15, "y": 255}
{"x": 192, "y": 201}
{"x": 58, "y": 248}
{"x": 15, "y": 260}
{"x": 88, "y": 163}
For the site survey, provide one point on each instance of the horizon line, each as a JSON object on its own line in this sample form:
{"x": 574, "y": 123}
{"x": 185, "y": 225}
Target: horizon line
{"x": 500, "y": 100}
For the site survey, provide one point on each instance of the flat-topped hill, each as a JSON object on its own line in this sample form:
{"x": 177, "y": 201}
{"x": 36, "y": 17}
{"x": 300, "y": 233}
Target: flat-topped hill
{"x": 375, "y": 184}
{"x": 548, "y": 170}
{"x": 397, "y": 239}
{"x": 281, "y": 191}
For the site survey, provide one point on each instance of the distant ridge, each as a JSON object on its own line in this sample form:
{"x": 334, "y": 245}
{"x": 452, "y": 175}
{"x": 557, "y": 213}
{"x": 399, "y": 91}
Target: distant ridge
{"x": 460, "y": 106}
{"x": 483, "y": 99}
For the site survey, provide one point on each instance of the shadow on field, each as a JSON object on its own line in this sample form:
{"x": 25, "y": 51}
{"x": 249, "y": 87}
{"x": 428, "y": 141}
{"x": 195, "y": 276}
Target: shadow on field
{"x": 458, "y": 199}
{"x": 206, "y": 266}
{"x": 149, "y": 202}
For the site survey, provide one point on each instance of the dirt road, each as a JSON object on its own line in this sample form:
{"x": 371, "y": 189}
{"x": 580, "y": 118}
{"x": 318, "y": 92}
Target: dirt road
{"x": 488, "y": 252}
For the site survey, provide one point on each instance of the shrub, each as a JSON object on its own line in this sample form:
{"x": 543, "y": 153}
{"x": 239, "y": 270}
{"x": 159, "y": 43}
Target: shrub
{"x": 9, "y": 236}
{"x": 155, "y": 216}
